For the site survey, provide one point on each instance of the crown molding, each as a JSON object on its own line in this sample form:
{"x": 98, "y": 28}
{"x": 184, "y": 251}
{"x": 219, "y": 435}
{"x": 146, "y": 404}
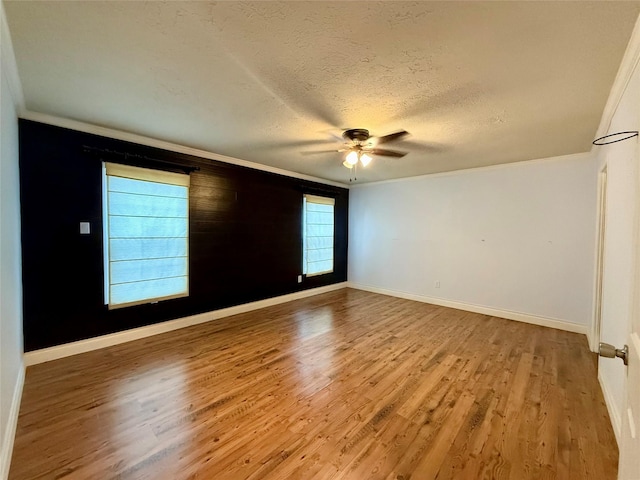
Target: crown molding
{"x": 628, "y": 65}
{"x": 157, "y": 143}
{"x": 585, "y": 156}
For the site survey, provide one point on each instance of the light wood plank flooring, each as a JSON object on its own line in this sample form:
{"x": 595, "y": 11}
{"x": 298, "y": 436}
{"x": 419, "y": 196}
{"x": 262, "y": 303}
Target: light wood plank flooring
{"x": 345, "y": 385}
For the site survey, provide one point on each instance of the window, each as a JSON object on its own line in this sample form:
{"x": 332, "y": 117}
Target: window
{"x": 317, "y": 235}
{"x": 146, "y": 235}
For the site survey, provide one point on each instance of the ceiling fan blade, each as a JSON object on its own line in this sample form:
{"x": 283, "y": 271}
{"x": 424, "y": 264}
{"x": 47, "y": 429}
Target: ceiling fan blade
{"x": 335, "y": 134}
{"x": 425, "y": 147}
{"x": 391, "y": 137}
{"x": 386, "y": 153}
{"x": 305, "y": 143}
{"x": 320, "y": 151}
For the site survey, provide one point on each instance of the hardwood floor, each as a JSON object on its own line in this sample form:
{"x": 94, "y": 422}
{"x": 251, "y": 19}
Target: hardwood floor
{"x": 345, "y": 385}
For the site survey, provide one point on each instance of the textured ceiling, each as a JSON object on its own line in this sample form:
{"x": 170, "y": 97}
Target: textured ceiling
{"x": 475, "y": 83}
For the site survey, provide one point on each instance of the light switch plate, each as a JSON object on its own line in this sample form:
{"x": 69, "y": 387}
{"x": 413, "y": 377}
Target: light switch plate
{"x": 85, "y": 228}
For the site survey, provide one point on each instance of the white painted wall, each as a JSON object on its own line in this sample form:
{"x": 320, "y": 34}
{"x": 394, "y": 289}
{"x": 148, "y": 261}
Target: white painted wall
{"x": 11, "y": 364}
{"x": 515, "y": 238}
{"x": 622, "y": 161}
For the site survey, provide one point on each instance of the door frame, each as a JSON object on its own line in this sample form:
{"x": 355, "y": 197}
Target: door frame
{"x": 629, "y": 441}
{"x": 599, "y": 277}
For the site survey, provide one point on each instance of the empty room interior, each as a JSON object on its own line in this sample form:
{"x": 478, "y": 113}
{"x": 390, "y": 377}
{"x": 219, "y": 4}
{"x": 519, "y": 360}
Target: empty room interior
{"x": 320, "y": 240}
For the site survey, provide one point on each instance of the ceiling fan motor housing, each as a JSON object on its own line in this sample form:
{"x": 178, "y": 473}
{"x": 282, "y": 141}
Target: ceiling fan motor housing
{"x": 356, "y": 134}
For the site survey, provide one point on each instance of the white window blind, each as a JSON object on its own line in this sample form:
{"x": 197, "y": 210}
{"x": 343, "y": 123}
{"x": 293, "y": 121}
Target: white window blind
{"x": 317, "y": 235}
{"x": 146, "y": 235}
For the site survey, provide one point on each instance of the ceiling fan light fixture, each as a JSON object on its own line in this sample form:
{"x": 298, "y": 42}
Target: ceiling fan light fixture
{"x": 360, "y": 146}
{"x": 352, "y": 159}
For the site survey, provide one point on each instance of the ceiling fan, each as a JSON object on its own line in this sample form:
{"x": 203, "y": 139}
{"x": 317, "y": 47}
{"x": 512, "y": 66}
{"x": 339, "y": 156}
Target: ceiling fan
{"x": 360, "y": 145}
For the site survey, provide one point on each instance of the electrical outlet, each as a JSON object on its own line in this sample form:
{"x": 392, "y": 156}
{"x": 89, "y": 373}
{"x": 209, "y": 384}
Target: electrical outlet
{"x": 299, "y": 278}
{"x": 438, "y": 284}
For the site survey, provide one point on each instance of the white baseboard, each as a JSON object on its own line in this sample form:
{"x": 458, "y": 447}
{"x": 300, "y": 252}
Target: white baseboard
{"x": 12, "y": 424}
{"x": 494, "y": 312}
{"x": 614, "y": 414}
{"x": 82, "y": 346}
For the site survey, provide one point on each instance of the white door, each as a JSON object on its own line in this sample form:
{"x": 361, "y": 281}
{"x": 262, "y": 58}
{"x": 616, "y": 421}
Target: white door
{"x": 629, "y": 467}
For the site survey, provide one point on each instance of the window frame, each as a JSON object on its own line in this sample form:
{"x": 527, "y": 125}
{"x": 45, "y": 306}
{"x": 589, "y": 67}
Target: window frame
{"x": 148, "y": 175}
{"x": 321, "y": 200}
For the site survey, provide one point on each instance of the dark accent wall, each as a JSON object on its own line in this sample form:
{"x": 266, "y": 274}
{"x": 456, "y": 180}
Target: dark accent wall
{"x": 245, "y": 236}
